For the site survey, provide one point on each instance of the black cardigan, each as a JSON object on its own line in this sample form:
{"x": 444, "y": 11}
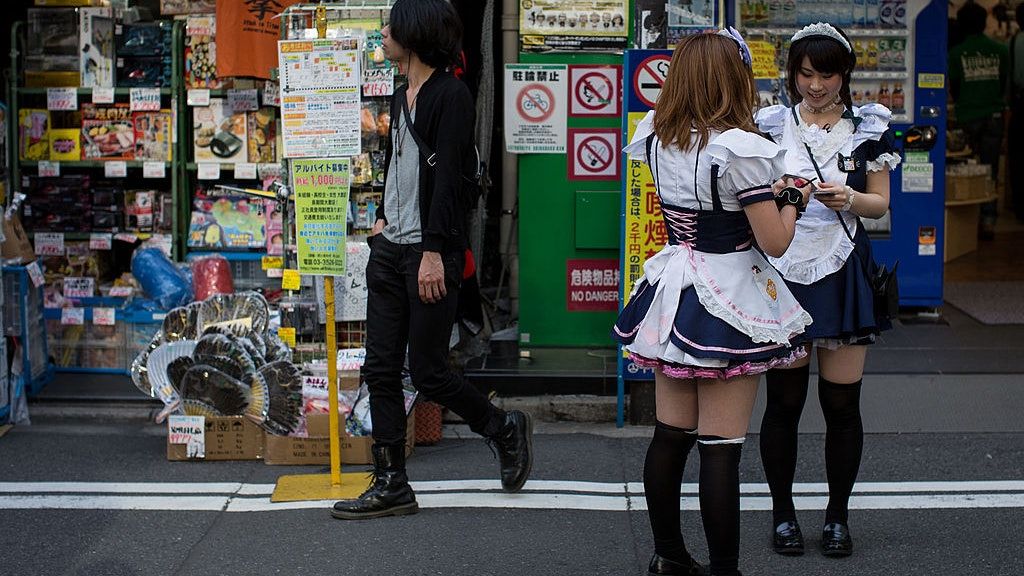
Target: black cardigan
{"x": 445, "y": 118}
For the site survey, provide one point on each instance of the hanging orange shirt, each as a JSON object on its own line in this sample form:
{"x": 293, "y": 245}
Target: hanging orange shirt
{"x": 247, "y": 35}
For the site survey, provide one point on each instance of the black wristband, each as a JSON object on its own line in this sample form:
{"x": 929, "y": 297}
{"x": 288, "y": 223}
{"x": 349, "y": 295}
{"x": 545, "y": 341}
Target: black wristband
{"x": 790, "y": 196}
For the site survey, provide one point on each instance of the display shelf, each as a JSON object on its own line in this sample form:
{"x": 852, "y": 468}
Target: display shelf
{"x": 227, "y": 254}
{"x": 851, "y": 32}
{"x": 90, "y": 163}
{"x": 87, "y": 235}
{"x": 85, "y": 91}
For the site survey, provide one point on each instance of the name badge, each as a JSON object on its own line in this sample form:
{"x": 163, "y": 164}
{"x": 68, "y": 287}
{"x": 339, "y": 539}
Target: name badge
{"x": 848, "y": 164}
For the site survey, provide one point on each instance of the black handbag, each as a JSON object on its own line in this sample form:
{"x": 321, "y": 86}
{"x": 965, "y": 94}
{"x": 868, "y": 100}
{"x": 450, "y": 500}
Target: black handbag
{"x": 885, "y": 288}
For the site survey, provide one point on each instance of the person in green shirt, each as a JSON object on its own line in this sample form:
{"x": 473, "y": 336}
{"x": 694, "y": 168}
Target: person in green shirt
{"x": 978, "y": 75}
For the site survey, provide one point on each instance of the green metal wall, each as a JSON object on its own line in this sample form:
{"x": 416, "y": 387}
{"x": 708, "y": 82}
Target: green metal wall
{"x": 558, "y": 224}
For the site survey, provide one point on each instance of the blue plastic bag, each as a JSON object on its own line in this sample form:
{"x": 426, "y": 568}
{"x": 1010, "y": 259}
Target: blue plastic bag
{"x": 160, "y": 278}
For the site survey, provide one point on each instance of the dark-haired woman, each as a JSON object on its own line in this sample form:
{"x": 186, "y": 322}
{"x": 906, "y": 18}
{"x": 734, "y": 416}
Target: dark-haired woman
{"x": 416, "y": 261}
{"x": 850, "y": 150}
{"x": 709, "y": 314}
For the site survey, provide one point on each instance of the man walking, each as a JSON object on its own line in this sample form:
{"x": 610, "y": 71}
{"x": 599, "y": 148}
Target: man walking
{"x": 416, "y": 260}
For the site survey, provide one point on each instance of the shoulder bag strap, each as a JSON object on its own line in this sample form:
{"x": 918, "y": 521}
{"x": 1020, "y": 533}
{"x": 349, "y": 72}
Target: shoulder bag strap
{"x": 425, "y": 151}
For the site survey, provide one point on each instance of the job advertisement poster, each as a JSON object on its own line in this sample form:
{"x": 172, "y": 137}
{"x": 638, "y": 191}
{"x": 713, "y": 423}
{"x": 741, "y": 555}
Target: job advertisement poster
{"x": 321, "y": 209}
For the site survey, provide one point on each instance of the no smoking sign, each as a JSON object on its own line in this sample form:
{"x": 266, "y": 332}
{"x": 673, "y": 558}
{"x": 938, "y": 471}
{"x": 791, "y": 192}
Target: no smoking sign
{"x": 594, "y": 154}
{"x": 595, "y": 90}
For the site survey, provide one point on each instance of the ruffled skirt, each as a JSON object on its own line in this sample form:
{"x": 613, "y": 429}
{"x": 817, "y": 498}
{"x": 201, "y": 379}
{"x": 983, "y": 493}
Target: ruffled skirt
{"x": 702, "y": 315}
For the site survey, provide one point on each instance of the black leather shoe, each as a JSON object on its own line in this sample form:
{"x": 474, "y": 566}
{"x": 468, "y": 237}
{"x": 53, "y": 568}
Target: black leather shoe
{"x": 787, "y": 539}
{"x": 836, "y": 541}
{"x": 514, "y": 444}
{"x": 664, "y": 567}
{"x": 390, "y": 493}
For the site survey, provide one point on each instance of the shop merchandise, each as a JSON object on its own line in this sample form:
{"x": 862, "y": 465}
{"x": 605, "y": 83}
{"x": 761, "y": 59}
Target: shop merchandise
{"x": 160, "y": 278}
{"x": 175, "y": 7}
{"x": 153, "y": 137}
{"x": 227, "y": 222}
{"x": 140, "y": 208}
{"x": 96, "y": 44}
{"x": 33, "y": 134}
{"x": 261, "y": 129}
{"x": 219, "y": 134}
{"x": 65, "y": 144}
{"x": 201, "y": 53}
{"x": 107, "y": 132}
{"x": 211, "y": 275}
{"x": 52, "y": 44}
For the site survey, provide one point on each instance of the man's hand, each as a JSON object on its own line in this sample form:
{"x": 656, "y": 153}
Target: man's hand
{"x": 431, "y": 278}
{"x": 378, "y": 227}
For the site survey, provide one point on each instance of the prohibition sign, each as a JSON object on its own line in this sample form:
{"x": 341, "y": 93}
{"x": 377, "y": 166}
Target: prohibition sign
{"x": 650, "y": 77}
{"x": 594, "y": 154}
{"x": 595, "y": 90}
{"x": 535, "y": 103}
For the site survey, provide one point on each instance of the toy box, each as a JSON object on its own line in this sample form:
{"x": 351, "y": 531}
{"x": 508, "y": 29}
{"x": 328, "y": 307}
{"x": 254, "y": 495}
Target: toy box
{"x": 107, "y": 132}
{"x": 274, "y": 229}
{"x": 219, "y": 135}
{"x": 96, "y": 47}
{"x": 144, "y": 71}
{"x": 33, "y": 134}
{"x": 172, "y": 7}
{"x": 201, "y": 53}
{"x": 139, "y": 209}
{"x": 153, "y": 135}
{"x": 262, "y": 135}
{"x": 227, "y": 222}
{"x": 65, "y": 144}
{"x": 51, "y": 40}
{"x": 145, "y": 39}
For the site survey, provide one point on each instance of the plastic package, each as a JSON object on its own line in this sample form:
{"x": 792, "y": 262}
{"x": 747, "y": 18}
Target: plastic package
{"x": 160, "y": 279}
{"x": 212, "y": 275}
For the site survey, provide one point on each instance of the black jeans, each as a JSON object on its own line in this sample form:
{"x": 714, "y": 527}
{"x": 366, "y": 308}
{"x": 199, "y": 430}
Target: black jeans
{"x": 986, "y": 139}
{"x": 395, "y": 317}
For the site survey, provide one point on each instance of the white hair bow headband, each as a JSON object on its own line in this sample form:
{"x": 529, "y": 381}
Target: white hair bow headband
{"x": 733, "y": 35}
{"x": 822, "y": 29}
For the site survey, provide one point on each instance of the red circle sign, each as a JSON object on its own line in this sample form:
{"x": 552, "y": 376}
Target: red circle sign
{"x": 650, "y": 77}
{"x": 594, "y": 155}
{"x": 535, "y": 103}
{"x": 594, "y": 91}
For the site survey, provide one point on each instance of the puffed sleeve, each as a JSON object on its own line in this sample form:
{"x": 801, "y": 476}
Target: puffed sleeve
{"x": 637, "y": 147}
{"x": 875, "y": 139}
{"x": 748, "y": 164}
{"x": 772, "y": 120}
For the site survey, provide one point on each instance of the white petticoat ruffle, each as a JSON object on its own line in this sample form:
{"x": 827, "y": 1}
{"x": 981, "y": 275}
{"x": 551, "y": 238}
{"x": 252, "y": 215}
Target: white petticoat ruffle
{"x": 742, "y": 298}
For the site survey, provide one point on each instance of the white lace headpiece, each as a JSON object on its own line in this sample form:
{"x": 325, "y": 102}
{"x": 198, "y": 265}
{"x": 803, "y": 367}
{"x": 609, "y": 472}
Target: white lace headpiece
{"x": 822, "y": 29}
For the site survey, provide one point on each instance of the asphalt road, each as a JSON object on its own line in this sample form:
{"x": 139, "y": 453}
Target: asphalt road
{"x": 96, "y": 498}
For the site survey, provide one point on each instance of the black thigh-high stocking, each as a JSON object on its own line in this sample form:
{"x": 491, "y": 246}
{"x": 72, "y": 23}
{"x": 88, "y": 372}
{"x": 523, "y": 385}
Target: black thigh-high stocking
{"x": 844, "y": 443}
{"x": 663, "y": 474}
{"x": 786, "y": 394}
{"x": 720, "y": 501}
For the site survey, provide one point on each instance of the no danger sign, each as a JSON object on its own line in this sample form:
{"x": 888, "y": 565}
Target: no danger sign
{"x": 594, "y": 154}
{"x": 596, "y": 90}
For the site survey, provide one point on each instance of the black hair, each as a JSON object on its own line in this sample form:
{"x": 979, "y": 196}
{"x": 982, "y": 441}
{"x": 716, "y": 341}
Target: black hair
{"x": 973, "y": 18}
{"x": 430, "y": 28}
{"x": 828, "y": 56}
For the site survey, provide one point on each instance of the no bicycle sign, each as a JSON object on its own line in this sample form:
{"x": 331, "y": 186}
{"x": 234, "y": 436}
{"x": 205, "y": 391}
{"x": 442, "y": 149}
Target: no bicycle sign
{"x": 535, "y": 108}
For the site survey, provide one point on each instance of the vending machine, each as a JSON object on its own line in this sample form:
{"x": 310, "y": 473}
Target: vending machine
{"x": 901, "y": 63}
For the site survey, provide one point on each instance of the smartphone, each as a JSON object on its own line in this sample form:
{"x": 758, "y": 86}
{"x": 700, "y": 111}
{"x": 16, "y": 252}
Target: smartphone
{"x": 820, "y": 192}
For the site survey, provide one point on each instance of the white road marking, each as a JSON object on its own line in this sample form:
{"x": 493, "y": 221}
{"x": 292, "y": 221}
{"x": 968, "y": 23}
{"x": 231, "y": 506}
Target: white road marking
{"x": 537, "y": 495}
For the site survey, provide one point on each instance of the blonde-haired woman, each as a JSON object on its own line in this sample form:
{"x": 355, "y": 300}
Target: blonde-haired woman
{"x": 709, "y": 314}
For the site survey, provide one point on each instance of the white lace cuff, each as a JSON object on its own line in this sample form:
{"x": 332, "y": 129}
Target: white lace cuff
{"x": 878, "y": 164}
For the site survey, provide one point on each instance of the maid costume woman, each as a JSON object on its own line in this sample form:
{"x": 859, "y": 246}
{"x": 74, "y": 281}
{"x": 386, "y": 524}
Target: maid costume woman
{"x": 824, "y": 266}
{"x": 709, "y": 305}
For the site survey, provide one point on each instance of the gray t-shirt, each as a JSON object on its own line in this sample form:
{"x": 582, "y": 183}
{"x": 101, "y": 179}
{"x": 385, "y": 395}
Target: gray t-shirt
{"x": 402, "y": 189}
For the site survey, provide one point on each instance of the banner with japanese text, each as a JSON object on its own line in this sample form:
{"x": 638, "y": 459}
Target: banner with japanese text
{"x": 321, "y": 190}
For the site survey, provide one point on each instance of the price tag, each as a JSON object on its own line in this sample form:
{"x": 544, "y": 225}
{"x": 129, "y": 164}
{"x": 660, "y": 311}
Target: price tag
{"x": 100, "y": 241}
{"x": 49, "y": 169}
{"x": 35, "y": 274}
{"x": 290, "y": 280}
{"x": 275, "y": 273}
{"x": 145, "y": 99}
{"x": 287, "y": 335}
{"x": 269, "y": 262}
{"x": 104, "y": 316}
{"x": 49, "y": 243}
{"x": 62, "y": 99}
{"x": 271, "y": 94}
{"x": 243, "y": 100}
{"x": 379, "y": 82}
{"x": 72, "y": 316}
{"x": 245, "y": 171}
{"x": 153, "y": 169}
{"x": 122, "y": 291}
{"x": 102, "y": 95}
{"x": 126, "y": 237}
{"x": 115, "y": 169}
{"x": 209, "y": 171}
{"x": 198, "y": 97}
{"x": 79, "y": 287}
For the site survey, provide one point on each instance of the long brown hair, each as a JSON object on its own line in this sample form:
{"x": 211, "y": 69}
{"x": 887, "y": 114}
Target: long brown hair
{"x": 708, "y": 88}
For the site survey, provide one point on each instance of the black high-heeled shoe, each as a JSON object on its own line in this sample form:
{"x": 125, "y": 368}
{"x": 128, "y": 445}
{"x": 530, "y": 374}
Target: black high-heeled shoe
{"x": 836, "y": 541}
{"x": 660, "y": 566}
{"x": 787, "y": 539}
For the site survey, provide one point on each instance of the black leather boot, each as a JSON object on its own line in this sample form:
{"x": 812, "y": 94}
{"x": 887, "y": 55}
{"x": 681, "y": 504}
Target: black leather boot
{"x": 664, "y": 567}
{"x": 390, "y": 493}
{"x": 514, "y": 444}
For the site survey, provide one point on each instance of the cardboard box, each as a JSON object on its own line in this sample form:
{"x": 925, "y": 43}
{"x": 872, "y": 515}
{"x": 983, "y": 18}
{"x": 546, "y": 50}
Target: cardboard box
{"x": 219, "y": 134}
{"x": 153, "y": 139}
{"x": 224, "y": 438}
{"x": 288, "y": 450}
{"x": 16, "y": 245}
{"x": 107, "y": 132}
{"x": 968, "y": 187}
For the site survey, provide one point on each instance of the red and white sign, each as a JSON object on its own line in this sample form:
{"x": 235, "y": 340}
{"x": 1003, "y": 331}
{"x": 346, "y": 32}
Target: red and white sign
{"x": 596, "y": 90}
{"x": 535, "y": 103}
{"x": 592, "y": 285}
{"x": 650, "y": 77}
{"x": 594, "y": 154}
{"x": 536, "y": 109}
